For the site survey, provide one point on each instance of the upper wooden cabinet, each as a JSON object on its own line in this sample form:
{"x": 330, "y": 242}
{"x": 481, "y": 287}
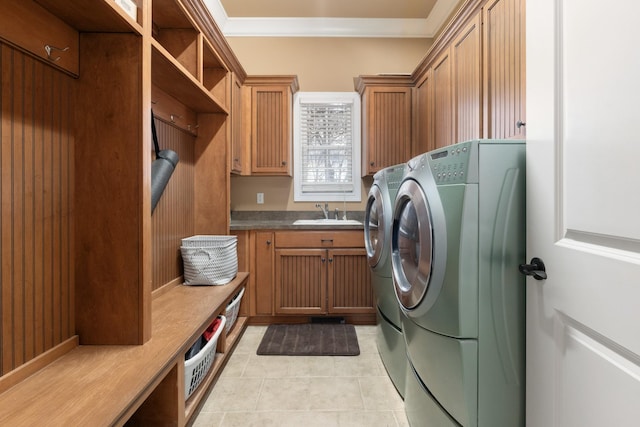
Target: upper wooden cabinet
{"x": 386, "y": 121}
{"x": 466, "y": 79}
{"x": 271, "y": 126}
{"x": 470, "y": 85}
{"x": 504, "y": 69}
{"x": 455, "y": 78}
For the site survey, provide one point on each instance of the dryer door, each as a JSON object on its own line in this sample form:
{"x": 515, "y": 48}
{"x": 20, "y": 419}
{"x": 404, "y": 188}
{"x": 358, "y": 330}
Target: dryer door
{"x": 418, "y": 249}
{"x": 374, "y": 229}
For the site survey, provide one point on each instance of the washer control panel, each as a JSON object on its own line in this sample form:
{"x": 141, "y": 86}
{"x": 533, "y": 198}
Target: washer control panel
{"x": 450, "y": 165}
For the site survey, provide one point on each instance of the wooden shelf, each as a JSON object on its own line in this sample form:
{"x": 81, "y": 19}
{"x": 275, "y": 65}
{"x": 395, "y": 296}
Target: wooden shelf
{"x": 94, "y": 15}
{"x": 174, "y": 79}
{"x": 193, "y": 403}
{"x": 170, "y": 14}
{"x": 71, "y": 390}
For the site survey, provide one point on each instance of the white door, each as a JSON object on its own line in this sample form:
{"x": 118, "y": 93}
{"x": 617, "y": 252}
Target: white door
{"x": 583, "y": 208}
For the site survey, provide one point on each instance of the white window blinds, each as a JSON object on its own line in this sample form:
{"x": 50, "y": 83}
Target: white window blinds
{"x": 326, "y": 139}
{"x": 327, "y": 155}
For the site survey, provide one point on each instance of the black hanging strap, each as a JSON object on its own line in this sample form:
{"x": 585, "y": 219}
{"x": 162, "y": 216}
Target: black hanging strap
{"x": 155, "y": 135}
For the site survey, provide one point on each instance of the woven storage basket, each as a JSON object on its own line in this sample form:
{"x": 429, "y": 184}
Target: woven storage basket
{"x": 209, "y": 260}
{"x": 196, "y": 368}
{"x": 232, "y": 310}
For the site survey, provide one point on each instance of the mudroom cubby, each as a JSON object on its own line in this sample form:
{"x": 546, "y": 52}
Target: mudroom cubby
{"x": 90, "y": 275}
{"x": 183, "y": 60}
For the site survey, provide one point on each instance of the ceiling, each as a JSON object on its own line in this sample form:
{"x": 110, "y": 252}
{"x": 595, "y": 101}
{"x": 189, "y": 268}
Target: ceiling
{"x": 331, "y": 18}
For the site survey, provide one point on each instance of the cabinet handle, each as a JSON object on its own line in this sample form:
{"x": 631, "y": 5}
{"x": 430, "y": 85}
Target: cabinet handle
{"x": 372, "y": 164}
{"x": 268, "y": 242}
{"x": 330, "y": 259}
{"x": 323, "y": 259}
{"x": 520, "y": 123}
{"x": 326, "y": 240}
{"x": 284, "y": 163}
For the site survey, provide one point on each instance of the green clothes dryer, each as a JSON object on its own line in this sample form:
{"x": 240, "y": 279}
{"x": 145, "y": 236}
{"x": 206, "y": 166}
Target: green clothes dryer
{"x": 377, "y": 237}
{"x": 458, "y": 236}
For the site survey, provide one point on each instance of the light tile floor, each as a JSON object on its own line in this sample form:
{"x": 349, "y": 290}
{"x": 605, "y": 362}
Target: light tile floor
{"x": 283, "y": 391}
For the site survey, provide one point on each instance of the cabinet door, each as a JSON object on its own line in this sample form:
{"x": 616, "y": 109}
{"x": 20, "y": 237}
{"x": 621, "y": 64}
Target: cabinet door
{"x": 387, "y": 128}
{"x": 504, "y": 69}
{"x": 349, "y": 282}
{"x": 239, "y": 154}
{"x": 423, "y": 115}
{"x": 467, "y": 82}
{"x": 301, "y": 281}
{"x": 271, "y": 130}
{"x": 442, "y": 101}
{"x": 264, "y": 257}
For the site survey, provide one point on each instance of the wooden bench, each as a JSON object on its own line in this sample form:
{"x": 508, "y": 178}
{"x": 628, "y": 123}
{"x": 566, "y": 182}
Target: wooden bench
{"x": 137, "y": 385}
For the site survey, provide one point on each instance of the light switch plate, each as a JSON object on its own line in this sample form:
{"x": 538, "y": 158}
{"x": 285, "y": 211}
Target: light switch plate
{"x": 260, "y": 198}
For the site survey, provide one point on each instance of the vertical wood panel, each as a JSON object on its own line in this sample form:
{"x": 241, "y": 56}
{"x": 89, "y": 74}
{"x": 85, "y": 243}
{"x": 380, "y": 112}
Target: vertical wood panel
{"x": 268, "y": 129}
{"x": 423, "y": 116}
{"x": 389, "y": 125}
{"x": 113, "y": 225}
{"x": 37, "y": 199}
{"x": 442, "y": 102}
{"x": 467, "y": 83}
{"x": 264, "y": 257}
{"x": 212, "y": 183}
{"x": 174, "y": 216}
{"x": 504, "y": 52}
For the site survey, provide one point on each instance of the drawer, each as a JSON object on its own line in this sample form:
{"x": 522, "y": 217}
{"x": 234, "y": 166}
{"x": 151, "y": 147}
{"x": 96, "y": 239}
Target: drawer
{"x": 32, "y": 28}
{"x": 320, "y": 239}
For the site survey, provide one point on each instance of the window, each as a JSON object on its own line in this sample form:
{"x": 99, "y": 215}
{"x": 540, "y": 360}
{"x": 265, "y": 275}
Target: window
{"x": 326, "y": 146}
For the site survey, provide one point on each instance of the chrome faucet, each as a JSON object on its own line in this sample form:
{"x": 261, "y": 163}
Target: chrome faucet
{"x": 325, "y": 209}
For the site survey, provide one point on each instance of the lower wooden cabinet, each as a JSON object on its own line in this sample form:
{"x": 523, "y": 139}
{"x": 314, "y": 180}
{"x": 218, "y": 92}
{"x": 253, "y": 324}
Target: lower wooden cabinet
{"x": 301, "y": 281}
{"x": 326, "y": 276}
{"x": 349, "y": 282}
{"x": 263, "y": 273}
{"x": 305, "y": 272}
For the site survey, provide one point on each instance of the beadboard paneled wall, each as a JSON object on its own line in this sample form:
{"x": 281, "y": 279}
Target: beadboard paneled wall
{"x": 36, "y": 235}
{"x": 174, "y": 216}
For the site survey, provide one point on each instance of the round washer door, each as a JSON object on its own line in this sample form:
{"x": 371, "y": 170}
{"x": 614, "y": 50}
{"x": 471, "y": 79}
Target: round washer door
{"x": 374, "y": 229}
{"x": 412, "y": 244}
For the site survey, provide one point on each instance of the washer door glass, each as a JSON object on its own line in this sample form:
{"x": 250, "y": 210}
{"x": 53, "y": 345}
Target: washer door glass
{"x": 412, "y": 245}
{"x": 374, "y": 231}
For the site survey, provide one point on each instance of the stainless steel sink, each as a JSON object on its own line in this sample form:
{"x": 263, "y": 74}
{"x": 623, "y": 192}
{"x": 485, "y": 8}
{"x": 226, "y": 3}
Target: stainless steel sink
{"x": 327, "y": 222}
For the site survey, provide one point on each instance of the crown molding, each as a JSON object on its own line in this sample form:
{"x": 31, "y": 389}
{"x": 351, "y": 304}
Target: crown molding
{"x": 332, "y": 27}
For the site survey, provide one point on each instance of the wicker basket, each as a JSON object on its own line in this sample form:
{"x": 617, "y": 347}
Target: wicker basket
{"x": 232, "y": 310}
{"x": 209, "y": 260}
{"x": 196, "y": 368}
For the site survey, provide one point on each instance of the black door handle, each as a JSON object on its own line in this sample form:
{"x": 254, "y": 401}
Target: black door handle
{"x": 535, "y": 269}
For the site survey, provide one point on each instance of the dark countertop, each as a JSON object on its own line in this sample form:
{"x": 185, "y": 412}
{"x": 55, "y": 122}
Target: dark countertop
{"x": 283, "y": 220}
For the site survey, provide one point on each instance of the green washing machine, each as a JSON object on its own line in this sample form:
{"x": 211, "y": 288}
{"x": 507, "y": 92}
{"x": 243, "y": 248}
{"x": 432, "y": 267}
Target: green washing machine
{"x": 458, "y": 236}
{"x": 377, "y": 237}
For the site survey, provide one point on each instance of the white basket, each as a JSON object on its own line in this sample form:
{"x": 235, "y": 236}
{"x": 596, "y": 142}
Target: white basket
{"x": 196, "y": 368}
{"x": 209, "y": 260}
{"x": 232, "y": 310}
{"x": 208, "y": 241}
